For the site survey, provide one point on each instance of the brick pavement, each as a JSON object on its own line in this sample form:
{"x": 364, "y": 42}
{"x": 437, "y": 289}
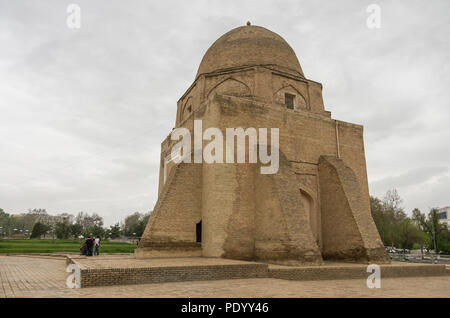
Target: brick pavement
{"x": 45, "y": 277}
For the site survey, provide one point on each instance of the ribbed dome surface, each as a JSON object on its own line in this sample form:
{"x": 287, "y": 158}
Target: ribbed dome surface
{"x": 249, "y": 46}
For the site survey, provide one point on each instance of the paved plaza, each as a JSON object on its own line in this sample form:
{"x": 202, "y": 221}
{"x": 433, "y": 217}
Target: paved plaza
{"x": 46, "y": 277}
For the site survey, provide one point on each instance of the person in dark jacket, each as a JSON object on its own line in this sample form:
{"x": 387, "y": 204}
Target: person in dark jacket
{"x": 89, "y": 246}
{"x": 83, "y": 250}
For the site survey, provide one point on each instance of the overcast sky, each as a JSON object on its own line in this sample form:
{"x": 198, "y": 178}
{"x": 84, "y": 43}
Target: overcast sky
{"x": 83, "y": 111}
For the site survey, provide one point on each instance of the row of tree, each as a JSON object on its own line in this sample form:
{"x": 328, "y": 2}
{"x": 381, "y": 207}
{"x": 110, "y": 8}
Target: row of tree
{"x": 397, "y": 229}
{"x": 38, "y": 223}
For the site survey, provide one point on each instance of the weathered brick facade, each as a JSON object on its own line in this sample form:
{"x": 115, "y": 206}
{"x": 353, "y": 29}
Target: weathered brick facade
{"x": 315, "y": 207}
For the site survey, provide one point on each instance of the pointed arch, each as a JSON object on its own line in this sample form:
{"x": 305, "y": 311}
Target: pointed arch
{"x": 300, "y": 100}
{"x": 187, "y": 108}
{"x": 231, "y": 86}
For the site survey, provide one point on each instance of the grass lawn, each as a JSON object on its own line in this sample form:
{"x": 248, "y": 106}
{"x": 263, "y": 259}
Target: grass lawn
{"x": 57, "y": 245}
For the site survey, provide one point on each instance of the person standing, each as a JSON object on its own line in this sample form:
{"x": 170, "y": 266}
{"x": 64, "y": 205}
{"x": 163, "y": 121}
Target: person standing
{"x": 83, "y": 249}
{"x": 97, "y": 246}
{"x": 88, "y": 246}
{"x": 92, "y": 246}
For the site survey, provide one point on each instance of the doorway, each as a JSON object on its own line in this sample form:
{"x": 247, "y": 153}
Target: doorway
{"x": 198, "y": 232}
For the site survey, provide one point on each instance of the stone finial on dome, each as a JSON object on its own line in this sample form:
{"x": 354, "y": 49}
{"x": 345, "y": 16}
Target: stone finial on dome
{"x": 248, "y": 23}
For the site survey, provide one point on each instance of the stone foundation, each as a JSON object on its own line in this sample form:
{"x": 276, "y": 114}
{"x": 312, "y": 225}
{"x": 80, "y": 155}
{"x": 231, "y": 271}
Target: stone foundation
{"x": 143, "y": 253}
{"x": 126, "y": 271}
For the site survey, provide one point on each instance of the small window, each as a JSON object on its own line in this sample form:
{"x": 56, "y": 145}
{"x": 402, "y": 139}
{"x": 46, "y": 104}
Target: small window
{"x": 289, "y": 100}
{"x": 189, "y": 109}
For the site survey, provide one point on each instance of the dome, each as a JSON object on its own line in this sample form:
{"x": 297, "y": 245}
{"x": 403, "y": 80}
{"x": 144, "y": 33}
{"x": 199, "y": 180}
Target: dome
{"x": 249, "y": 46}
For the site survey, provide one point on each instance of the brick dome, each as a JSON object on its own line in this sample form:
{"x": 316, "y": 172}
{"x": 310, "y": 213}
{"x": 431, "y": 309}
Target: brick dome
{"x": 249, "y": 46}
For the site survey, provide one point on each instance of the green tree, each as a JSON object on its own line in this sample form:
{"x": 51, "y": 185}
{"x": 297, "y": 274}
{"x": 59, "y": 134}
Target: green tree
{"x": 388, "y": 216}
{"x": 63, "y": 225}
{"x": 76, "y": 230}
{"x": 5, "y": 223}
{"x": 39, "y": 229}
{"x": 131, "y": 223}
{"x": 380, "y": 218}
{"x": 88, "y": 221}
{"x": 407, "y": 233}
{"x": 438, "y": 234}
{"x": 114, "y": 231}
{"x": 392, "y": 203}
{"x": 33, "y": 216}
{"x": 142, "y": 224}
{"x": 96, "y": 231}
{"x": 62, "y": 230}
{"x": 419, "y": 219}
{"x": 135, "y": 224}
